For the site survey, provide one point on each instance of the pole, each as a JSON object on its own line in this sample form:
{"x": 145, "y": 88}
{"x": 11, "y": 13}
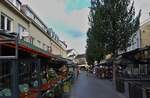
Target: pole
{"x": 14, "y": 78}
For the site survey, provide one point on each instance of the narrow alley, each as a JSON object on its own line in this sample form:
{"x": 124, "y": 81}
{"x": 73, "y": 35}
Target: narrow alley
{"x": 90, "y": 87}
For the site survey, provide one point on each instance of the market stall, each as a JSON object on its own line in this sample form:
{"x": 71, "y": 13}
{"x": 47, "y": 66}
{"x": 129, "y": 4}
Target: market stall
{"x": 133, "y": 69}
{"x": 105, "y": 69}
{"x": 30, "y": 74}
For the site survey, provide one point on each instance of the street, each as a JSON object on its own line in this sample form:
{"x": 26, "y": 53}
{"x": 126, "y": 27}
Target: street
{"x": 90, "y": 87}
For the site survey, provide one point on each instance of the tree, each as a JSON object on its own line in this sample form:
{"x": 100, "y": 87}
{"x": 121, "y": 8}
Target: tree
{"x": 112, "y": 23}
{"x": 120, "y": 24}
{"x": 95, "y": 47}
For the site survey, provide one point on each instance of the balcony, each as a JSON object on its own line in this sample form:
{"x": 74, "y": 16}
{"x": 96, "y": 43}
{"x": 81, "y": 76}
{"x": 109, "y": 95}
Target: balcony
{"x": 33, "y": 47}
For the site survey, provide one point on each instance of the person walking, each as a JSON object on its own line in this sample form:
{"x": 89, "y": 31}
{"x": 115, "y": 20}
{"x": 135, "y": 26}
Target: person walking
{"x": 88, "y": 71}
{"x": 78, "y": 71}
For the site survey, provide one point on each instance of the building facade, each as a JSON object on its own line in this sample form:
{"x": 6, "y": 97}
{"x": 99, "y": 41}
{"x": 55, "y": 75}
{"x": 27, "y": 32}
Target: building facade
{"x": 81, "y": 59}
{"x": 135, "y": 41}
{"x": 141, "y": 38}
{"x": 145, "y": 34}
{"x": 37, "y": 49}
{"x": 21, "y": 19}
{"x": 71, "y": 54}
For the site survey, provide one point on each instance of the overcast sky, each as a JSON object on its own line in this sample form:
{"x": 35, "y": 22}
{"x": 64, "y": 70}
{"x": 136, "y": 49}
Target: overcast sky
{"x": 69, "y": 18}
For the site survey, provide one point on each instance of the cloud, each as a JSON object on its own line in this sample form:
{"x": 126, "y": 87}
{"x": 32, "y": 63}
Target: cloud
{"x": 144, "y": 5}
{"x": 69, "y": 18}
{"x": 72, "y": 5}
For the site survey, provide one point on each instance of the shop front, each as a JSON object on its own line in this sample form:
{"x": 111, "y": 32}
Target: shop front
{"x": 29, "y": 72}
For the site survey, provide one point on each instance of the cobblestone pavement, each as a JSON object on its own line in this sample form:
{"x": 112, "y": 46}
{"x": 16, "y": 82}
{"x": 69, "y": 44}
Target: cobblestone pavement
{"x": 90, "y": 87}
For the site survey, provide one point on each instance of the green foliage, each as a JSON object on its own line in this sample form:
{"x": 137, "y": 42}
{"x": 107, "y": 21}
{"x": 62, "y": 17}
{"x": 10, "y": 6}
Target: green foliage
{"x": 120, "y": 24}
{"x": 112, "y": 23}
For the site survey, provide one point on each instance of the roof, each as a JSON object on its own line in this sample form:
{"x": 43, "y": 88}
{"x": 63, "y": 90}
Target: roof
{"x": 80, "y": 56}
{"x": 19, "y": 1}
{"x": 15, "y": 10}
{"x": 135, "y": 56}
{"x": 72, "y": 55}
{"x": 33, "y": 12}
{"x": 68, "y": 51}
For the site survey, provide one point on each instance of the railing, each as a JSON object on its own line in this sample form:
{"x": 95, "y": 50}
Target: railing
{"x": 32, "y": 46}
{"x": 137, "y": 77}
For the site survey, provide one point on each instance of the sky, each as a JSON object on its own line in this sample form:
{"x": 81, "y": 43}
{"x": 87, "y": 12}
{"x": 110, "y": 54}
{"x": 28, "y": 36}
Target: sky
{"x": 69, "y": 18}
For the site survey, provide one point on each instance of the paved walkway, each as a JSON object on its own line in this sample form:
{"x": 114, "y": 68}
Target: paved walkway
{"x": 90, "y": 87}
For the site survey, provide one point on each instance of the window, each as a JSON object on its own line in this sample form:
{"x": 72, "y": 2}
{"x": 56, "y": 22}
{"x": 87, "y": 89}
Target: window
{"x": 29, "y": 14}
{"x": 8, "y": 25}
{"x": 18, "y": 4}
{"x": 44, "y": 47}
{"x": 12, "y": 1}
{"x": 32, "y": 40}
{"x": 48, "y": 48}
{"x": 20, "y": 29}
{"x": 39, "y": 43}
{"x": 5, "y": 23}
{"x": 2, "y": 22}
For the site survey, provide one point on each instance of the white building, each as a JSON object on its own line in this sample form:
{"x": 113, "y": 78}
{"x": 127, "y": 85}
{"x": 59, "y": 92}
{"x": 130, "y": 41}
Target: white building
{"x": 136, "y": 41}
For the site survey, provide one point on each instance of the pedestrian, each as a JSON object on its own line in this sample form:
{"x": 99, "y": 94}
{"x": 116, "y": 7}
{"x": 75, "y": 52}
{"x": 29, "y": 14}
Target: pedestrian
{"x": 78, "y": 71}
{"x": 94, "y": 72}
{"x": 88, "y": 71}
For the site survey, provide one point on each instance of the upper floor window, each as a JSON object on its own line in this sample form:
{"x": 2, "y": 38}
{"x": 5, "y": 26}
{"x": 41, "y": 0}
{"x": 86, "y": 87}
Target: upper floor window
{"x": 39, "y": 42}
{"x": 44, "y": 46}
{"x": 2, "y": 22}
{"x": 5, "y": 22}
{"x": 48, "y": 48}
{"x": 18, "y": 4}
{"x": 20, "y": 29}
{"x": 32, "y": 40}
{"x": 29, "y": 14}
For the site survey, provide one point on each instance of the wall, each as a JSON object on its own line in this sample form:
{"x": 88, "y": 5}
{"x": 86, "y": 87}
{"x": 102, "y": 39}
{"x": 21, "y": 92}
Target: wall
{"x": 145, "y": 34}
{"x": 38, "y": 35}
{"x": 15, "y": 18}
{"x": 33, "y": 30}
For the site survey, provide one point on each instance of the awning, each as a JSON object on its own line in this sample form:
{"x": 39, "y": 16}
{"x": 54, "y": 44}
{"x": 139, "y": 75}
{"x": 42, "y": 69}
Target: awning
{"x": 137, "y": 56}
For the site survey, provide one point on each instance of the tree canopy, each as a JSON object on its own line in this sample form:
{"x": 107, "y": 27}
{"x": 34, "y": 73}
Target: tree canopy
{"x": 112, "y": 23}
